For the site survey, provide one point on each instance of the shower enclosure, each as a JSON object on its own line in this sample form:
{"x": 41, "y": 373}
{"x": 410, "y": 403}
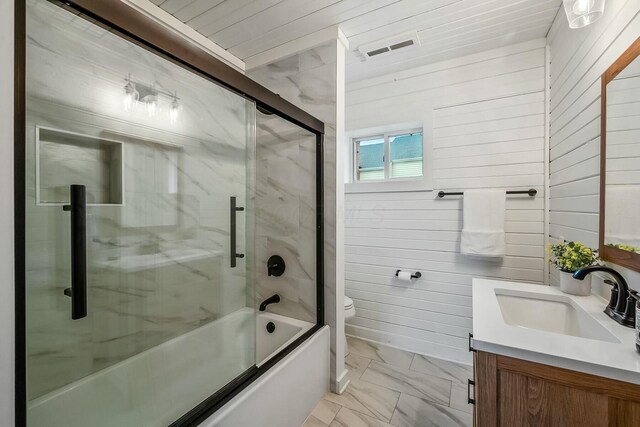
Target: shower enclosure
{"x": 155, "y": 190}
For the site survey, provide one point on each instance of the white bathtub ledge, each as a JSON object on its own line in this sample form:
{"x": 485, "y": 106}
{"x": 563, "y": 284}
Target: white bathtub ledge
{"x": 286, "y": 394}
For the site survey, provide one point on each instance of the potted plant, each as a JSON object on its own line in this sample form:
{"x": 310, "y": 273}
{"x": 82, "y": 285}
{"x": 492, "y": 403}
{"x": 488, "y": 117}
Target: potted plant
{"x": 569, "y": 257}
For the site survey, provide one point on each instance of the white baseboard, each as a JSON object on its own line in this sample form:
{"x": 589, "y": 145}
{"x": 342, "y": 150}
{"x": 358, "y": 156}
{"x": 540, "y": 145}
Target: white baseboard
{"x": 410, "y": 344}
{"x": 343, "y": 382}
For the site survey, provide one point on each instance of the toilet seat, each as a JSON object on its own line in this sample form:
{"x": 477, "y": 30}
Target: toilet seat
{"x": 349, "y": 313}
{"x": 348, "y": 302}
{"x": 349, "y": 309}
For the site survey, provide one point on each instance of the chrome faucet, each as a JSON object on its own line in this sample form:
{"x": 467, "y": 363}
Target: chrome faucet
{"x": 621, "y": 307}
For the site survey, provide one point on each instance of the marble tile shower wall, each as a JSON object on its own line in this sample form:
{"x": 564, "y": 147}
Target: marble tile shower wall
{"x": 313, "y": 80}
{"x": 157, "y": 264}
{"x": 286, "y": 215}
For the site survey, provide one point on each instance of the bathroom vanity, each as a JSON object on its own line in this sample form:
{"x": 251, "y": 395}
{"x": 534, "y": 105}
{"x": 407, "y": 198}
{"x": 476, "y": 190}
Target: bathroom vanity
{"x": 542, "y": 357}
{"x": 540, "y": 394}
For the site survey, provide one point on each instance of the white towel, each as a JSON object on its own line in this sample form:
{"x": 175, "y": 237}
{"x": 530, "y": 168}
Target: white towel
{"x": 483, "y": 229}
{"x": 621, "y": 215}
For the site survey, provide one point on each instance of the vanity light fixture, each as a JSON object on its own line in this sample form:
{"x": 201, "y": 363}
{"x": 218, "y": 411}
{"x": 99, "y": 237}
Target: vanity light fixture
{"x": 581, "y": 13}
{"x": 135, "y": 92}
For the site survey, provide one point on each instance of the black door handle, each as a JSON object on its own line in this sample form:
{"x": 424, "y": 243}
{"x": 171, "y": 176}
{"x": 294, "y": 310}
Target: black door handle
{"x": 78, "y": 289}
{"x": 469, "y": 399}
{"x": 233, "y": 209}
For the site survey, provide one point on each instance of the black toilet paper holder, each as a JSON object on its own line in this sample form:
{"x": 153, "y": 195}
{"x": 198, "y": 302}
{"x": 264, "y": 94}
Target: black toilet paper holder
{"x": 417, "y": 275}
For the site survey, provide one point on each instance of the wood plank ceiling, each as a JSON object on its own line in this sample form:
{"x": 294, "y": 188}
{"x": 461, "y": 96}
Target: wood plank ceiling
{"x": 446, "y": 28}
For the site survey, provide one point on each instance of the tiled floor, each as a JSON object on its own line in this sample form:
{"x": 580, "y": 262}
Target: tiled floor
{"x": 396, "y": 388}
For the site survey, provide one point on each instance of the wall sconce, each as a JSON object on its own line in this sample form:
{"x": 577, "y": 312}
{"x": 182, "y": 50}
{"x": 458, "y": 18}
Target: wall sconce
{"x": 135, "y": 92}
{"x": 581, "y": 13}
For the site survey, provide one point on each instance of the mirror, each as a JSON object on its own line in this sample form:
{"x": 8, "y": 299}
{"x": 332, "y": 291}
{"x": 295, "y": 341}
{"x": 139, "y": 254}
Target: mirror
{"x": 620, "y": 161}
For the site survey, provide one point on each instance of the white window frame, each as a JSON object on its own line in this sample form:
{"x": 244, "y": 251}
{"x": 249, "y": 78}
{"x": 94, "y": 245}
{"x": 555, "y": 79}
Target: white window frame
{"x": 388, "y": 184}
{"x": 354, "y": 156}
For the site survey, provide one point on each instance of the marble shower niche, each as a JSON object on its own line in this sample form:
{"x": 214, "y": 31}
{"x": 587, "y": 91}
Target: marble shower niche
{"x": 67, "y": 158}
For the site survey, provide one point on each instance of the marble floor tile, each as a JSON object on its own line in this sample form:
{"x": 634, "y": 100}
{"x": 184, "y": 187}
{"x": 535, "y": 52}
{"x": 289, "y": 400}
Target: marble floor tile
{"x": 407, "y": 391}
{"x": 436, "y": 389}
{"x": 368, "y": 399}
{"x": 459, "y": 399}
{"x": 416, "y": 412}
{"x": 348, "y": 418}
{"x": 380, "y": 353}
{"x": 325, "y": 411}
{"x": 456, "y": 372}
{"x": 312, "y": 421}
{"x": 356, "y": 365}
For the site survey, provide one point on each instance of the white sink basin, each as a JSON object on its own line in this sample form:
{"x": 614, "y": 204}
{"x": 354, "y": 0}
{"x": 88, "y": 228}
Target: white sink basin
{"x": 550, "y": 313}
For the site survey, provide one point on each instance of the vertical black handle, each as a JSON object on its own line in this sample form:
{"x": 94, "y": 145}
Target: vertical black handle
{"x": 233, "y": 209}
{"x": 471, "y": 346}
{"x": 78, "y": 290}
{"x": 469, "y": 399}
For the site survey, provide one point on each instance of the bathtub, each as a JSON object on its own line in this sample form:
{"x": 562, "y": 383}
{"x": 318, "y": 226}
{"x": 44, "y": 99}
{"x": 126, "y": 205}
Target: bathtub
{"x": 286, "y": 394}
{"x": 126, "y": 394}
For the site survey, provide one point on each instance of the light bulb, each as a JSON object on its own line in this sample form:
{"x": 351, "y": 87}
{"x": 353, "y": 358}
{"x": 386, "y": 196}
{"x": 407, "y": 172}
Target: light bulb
{"x": 127, "y": 101}
{"x": 581, "y": 7}
{"x": 130, "y": 96}
{"x": 581, "y": 13}
{"x": 152, "y": 104}
{"x": 173, "y": 112}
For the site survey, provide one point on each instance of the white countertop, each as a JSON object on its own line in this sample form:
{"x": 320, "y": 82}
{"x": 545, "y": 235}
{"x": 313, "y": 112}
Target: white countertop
{"x": 492, "y": 334}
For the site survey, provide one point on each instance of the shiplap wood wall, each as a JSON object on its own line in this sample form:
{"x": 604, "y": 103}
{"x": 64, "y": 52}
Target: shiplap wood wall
{"x": 578, "y": 59}
{"x": 485, "y": 116}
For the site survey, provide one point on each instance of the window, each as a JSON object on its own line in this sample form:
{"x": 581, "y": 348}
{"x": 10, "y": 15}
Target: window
{"x": 370, "y": 158}
{"x": 388, "y": 156}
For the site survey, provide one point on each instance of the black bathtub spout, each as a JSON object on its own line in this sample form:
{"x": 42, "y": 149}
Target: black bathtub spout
{"x": 271, "y": 300}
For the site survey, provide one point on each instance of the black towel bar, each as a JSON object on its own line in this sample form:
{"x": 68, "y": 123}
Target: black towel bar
{"x": 531, "y": 192}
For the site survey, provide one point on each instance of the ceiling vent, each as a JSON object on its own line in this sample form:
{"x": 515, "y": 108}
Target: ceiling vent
{"x": 400, "y": 42}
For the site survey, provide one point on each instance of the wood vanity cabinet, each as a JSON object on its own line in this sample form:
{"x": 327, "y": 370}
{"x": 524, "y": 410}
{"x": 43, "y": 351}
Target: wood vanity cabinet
{"x": 513, "y": 392}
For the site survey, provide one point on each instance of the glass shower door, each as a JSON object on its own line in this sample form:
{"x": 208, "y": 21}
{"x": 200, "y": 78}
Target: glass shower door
{"x": 140, "y": 301}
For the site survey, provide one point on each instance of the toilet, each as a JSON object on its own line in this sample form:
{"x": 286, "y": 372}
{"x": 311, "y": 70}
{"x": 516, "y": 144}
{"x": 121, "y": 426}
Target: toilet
{"x": 349, "y": 313}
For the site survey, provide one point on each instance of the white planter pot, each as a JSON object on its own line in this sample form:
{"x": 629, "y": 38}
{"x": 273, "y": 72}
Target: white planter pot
{"x": 572, "y": 286}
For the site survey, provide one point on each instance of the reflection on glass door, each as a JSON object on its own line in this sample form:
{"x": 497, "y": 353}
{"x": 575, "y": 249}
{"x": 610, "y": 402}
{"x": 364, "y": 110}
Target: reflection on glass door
{"x": 138, "y": 309}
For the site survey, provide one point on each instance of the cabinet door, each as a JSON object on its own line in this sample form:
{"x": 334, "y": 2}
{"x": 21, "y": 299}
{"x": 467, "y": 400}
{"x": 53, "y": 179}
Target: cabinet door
{"x": 485, "y": 392}
{"x": 624, "y": 413}
{"x": 475, "y": 380}
{"x": 533, "y": 401}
